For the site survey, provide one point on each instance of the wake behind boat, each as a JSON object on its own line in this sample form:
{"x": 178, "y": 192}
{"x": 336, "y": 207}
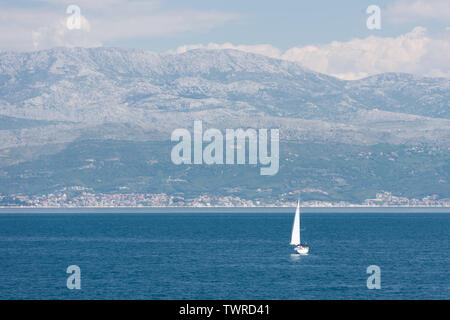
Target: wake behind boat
{"x": 295, "y": 237}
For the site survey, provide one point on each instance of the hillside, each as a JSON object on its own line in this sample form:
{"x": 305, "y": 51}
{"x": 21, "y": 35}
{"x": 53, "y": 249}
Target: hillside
{"x": 54, "y": 103}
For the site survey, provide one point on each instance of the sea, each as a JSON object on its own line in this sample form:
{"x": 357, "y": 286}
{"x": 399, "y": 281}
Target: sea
{"x": 224, "y": 255}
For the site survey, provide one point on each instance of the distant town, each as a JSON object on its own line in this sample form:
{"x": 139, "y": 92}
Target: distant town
{"x": 87, "y": 199}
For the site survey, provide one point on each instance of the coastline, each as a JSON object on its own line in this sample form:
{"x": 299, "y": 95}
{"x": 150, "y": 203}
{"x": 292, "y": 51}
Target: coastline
{"x": 49, "y": 210}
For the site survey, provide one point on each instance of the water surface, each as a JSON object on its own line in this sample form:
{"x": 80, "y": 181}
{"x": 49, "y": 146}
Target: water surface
{"x": 224, "y": 255}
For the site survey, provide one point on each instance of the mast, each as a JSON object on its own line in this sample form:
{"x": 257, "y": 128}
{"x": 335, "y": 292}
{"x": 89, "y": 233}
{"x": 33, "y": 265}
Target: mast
{"x": 295, "y": 238}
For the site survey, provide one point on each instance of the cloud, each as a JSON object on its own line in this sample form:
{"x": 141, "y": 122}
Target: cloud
{"x": 58, "y": 35}
{"x": 413, "y": 52}
{"x": 402, "y": 11}
{"x": 44, "y": 26}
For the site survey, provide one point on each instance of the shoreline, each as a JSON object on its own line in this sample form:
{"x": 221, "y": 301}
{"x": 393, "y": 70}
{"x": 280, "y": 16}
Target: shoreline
{"x": 4, "y": 210}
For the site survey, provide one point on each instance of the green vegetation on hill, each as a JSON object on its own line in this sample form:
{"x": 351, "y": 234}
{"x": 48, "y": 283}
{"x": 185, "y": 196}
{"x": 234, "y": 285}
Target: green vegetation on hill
{"x": 333, "y": 172}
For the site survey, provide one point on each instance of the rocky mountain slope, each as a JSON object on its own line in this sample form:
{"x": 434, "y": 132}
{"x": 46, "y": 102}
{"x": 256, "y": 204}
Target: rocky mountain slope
{"x": 51, "y": 99}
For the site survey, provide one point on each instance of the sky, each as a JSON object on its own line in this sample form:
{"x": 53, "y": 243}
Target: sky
{"x": 324, "y": 35}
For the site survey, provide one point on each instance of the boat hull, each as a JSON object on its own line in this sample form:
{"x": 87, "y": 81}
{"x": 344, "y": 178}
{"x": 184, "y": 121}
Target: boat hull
{"x": 302, "y": 250}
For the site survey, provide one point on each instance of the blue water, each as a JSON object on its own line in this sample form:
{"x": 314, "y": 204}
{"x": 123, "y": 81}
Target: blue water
{"x": 224, "y": 256}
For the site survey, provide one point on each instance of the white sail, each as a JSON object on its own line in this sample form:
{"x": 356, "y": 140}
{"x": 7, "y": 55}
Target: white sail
{"x": 295, "y": 238}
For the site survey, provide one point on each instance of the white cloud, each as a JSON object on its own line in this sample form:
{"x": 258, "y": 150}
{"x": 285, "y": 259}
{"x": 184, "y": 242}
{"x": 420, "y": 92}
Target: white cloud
{"x": 402, "y": 11}
{"x": 106, "y": 20}
{"x": 58, "y": 35}
{"x": 413, "y": 52}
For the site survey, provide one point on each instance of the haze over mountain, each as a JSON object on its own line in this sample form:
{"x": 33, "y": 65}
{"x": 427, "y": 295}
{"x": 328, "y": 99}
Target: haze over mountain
{"x": 54, "y": 99}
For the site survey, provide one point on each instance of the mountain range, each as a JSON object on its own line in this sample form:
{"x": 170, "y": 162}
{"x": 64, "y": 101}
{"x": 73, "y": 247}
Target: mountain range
{"x": 109, "y": 103}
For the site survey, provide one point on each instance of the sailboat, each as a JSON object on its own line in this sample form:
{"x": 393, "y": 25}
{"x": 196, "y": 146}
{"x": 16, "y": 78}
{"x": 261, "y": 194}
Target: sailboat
{"x": 295, "y": 238}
